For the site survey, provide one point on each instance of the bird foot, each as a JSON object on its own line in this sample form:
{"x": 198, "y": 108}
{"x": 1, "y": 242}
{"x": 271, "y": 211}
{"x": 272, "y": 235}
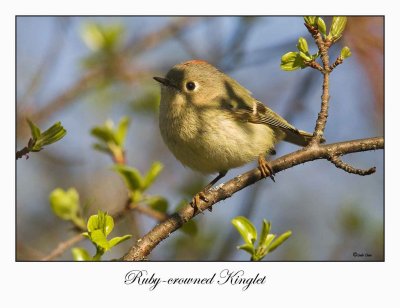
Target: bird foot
{"x": 196, "y": 201}
{"x": 265, "y": 168}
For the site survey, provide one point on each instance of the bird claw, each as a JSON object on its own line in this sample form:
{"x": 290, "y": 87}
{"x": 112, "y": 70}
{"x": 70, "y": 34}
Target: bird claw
{"x": 265, "y": 168}
{"x": 196, "y": 201}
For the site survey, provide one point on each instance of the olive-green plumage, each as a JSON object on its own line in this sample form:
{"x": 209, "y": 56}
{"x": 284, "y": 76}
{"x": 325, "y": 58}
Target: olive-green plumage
{"x": 212, "y": 124}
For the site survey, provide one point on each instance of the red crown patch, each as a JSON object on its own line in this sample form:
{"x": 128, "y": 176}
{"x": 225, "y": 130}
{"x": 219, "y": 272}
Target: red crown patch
{"x": 194, "y": 62}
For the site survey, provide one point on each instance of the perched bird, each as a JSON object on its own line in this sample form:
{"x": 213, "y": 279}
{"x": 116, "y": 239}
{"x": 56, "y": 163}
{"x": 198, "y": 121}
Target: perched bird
{"x": 212, "y": 124}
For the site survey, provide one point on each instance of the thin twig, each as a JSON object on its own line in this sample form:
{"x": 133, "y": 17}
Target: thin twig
{"x": 338, "y": 61}
{"x": 147, "y": 243}
{"x": 315, "y": 65}
{"x": 146, "y": 210}
{"x": 335, "y": 159}
{"x": 19, "y": 154}
{"x": 323, "y": 47}
{"x": 63, "y": 246}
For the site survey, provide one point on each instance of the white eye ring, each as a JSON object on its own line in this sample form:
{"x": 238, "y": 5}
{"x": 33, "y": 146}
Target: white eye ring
{"x": 190, "y": 86}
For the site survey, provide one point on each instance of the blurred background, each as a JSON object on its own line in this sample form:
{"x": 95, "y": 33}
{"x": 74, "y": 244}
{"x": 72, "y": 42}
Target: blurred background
{"x": 83, "y": 71}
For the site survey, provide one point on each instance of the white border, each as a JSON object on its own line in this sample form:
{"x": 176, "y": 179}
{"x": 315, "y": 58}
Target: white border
{"x": 101, "y": 284}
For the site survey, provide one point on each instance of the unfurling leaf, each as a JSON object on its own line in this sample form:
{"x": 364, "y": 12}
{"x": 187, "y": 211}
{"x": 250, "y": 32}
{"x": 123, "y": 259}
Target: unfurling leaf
{"x": 111, "y": 140}
{"x": 152, "y": 174}
{"x": 121, "y": 131}
{"x": 292, "y": 61}
{"x": 99, "y": 239}
{"x": 65, "y": 204}
{"x": 102, "y": 221}
{"x": 302, "y": 45}
{"x": 80, "y": 254}
{"x": 40, "y": 139}
{"x": 246, "y": 229}
{"x": 345, "y": 52}
{"x": 267, "y": 243}
{"x": 248, "y": 248}
{"x": 119, "y": 239}
{"x": 99, "y": 227}
{"x": 310, "y": 20}
{"x": 35, "y": 131}
{"x": 266, "y": 227}
{"x": 131, "y": 177}
{"x": 279, "y": 241}
{"x": 321, "y": 26}
{"x": 337, "y": 27}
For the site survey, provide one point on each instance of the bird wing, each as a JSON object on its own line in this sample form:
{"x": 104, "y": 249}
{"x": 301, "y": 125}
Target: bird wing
{"x": 258, "y": 113}
{"x": 264, "y": 115}
{"x": 243, "y": 107}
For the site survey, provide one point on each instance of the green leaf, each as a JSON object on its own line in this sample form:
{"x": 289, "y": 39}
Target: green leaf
{"x": 266, "y": 243}
{"x": 102, "y": 221}
{"x": 109, "y": 224}
{"x": 345, "y": 52}
{"x": 119, "y": 239}
{"x": 99, "y": 239}
{"x": 80, "y": 254}
{"x": 112, "y": 35}
{"x": 304, "y": 56}
{"x": 190, "y": 228}
{"x": 49, "y": 136}
{"x": 52, "y": 134}
{"x": 310, "y": 20}
{"x": 93, "y": 223}
{"x": 136, "y": 196}
{"x": 248, "y": 248}
{"x": 152, "y": 174}
{"x": 131, "y": 177}
{"x": 279, "y": 241}
{"x": 321, "y": 26}
{"x": 302, "y": 45}
{"x": 158, "y": 203}
{"x": 103, "y": 133}
{"x": 121, "y": 131}
{"x": 35, "y": 131}
{"x": 246, "y": 229}
{"x": 93, "y": 36}
{"x": 65, "y": 204}
{"x": 337, "y": 27}
{"x": 291, "y": 61}
{"x": 266, "y": 227}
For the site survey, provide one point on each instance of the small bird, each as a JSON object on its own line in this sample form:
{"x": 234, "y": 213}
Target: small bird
{"x": 212, "y": 124}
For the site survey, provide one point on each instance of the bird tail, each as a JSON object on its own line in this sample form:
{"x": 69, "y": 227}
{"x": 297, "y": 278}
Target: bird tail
{"x": 299, "y": 137}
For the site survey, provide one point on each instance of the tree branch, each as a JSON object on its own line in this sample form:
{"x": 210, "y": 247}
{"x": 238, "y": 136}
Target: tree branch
{"x": 146, "y": 244}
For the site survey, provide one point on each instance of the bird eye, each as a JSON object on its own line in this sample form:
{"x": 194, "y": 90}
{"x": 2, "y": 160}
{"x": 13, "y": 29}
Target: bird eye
{"x": 190, "y": 85}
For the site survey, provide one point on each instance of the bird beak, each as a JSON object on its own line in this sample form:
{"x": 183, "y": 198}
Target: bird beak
{"x": 163, "y": 81}
{"x": 166, "y": 82}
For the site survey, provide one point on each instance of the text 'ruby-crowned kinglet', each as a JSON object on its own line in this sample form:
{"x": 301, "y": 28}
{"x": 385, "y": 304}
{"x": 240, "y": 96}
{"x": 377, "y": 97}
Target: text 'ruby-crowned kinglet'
{"x": 212, "y": 124}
